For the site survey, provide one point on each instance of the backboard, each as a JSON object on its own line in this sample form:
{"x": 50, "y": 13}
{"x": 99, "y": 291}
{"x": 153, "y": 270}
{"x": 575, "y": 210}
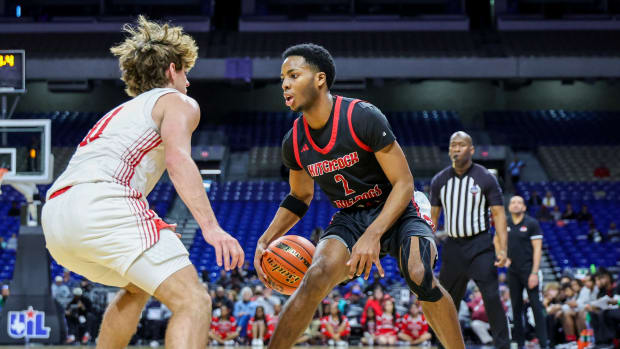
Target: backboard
{"x": 25, "y": 150}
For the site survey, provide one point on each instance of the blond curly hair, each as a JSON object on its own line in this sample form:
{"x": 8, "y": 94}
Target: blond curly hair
{"x": 147, "y": 52}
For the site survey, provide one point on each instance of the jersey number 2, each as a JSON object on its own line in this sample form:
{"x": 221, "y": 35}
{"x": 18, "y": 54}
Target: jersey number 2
{"x": 340, "y": 178}
{"x": 96, "y": 131}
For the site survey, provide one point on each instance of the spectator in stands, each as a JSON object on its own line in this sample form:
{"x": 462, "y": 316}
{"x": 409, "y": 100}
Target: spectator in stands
{"x": 569, "y": 214}
{"x": 515, "y": 170}
{"x": 553, "y": 305}
{"x": 549, "y": 201}
{"x": 534, "y": 200}
{"x": 61, "y": 292}
{"x": 593, "y": 234}
{"x": 369, "y": 326}
{"x": 613, "y": 234}
{"x": 265, "y": 298}
{"x": 413, "y": 326}
{"x": 14, "y": 210}
{"x": 569, "y": 313}
{"x": 224, "y": 279}
{"x": 154, "y": 321}
{"x": 224, "y": 328}
{"x": 245, "y": 308}
{"x": 480, "y": 321}
{"x": 2, "y": 244}
{"x": 387, "y": 325}
{"x": 544, "y": 215}
{"x": 67, "y": 280}
{"x": 335, "y": 327}
{"x": 221, "y": 299}
{"x": 607, "y": 300}
{"x": 247, "y": 273}
{"x": 602, "y": 171}
{"x": 4, "y": 295}
{"x": 78, "y": 315}
{"x": 355, "y": 303}
{"x": 556, "y": 214}
{"x": 12, "y": 243}
{"x": 374, "y": 301}
{"x": 576, "y": 285}
{"x": 259, "y": 330}
{"x": 584, "y": 215}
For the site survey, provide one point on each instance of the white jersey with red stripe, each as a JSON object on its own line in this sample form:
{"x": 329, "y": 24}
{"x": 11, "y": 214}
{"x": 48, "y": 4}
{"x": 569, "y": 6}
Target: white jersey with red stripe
{"x": 123, "y": 147}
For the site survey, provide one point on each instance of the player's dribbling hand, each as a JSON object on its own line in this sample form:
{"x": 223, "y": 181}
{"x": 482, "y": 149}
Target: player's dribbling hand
{"x": 258, "y": 254}
{"x": 228, "y": 252}
{"x": 365, "y": 253}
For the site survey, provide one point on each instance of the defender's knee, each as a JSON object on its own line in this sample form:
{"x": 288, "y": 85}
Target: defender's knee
{"x": 419, "y": 275}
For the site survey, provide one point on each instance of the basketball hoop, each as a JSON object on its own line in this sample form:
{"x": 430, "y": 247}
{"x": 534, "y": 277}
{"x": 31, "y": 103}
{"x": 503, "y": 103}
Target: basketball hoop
{"x": 3, "y": 171}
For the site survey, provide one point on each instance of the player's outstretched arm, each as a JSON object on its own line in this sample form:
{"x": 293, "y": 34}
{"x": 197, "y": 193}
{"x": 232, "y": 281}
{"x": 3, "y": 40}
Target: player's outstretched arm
{"x": 302, "y": 188}
{"x": 181, "y": 115}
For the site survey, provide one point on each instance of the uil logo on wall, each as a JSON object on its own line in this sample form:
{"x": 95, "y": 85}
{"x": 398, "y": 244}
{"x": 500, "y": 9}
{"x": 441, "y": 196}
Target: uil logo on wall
{"x": 27, "y": 323}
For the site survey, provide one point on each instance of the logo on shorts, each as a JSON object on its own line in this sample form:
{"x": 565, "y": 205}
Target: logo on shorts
{"x": 27, "y": 323}
{"x": 475, "y": 189}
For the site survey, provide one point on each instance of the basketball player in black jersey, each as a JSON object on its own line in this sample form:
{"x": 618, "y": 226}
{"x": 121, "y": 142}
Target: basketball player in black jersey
{"x": 348, "y": 148}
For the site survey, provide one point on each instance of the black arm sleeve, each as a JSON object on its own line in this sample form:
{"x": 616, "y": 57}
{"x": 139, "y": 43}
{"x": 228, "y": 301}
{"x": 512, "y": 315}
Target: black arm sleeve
{"x": 288, "y": 153}
{"x": 371, "y": 126}
{"x": 492, "y": 190}
{"x": 435, "y": 190}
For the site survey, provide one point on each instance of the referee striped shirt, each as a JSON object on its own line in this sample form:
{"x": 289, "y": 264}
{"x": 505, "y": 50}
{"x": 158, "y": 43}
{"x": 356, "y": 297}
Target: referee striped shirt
{"x": 466, "y": 199}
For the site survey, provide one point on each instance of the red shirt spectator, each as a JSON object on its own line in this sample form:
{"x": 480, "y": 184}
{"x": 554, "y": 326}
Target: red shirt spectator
{"x": 334, "y": 325}
{"x": 224, "y": 326}
{"x": 414, "y": 327}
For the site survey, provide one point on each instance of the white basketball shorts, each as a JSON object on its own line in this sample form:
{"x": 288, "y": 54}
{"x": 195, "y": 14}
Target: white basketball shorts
{"x": 95, "y": 230}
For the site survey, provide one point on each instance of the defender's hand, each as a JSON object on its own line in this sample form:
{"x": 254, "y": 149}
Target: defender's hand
{"x": 365, "y": 252}
{"x": 258, "y": 255}
{"x": 226, "y": 248}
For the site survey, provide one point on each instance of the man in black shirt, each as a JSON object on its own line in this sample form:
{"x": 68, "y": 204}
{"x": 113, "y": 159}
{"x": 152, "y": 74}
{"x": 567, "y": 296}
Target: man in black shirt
{"x": 347, "y": 147}
{"x": 467, "y": 192}
{"x": 524, "y": 252}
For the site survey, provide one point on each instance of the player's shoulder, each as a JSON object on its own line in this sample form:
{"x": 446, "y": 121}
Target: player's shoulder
{"x": 361, "y": 107}
{"x": 530, "y": 220}
{"x": 179, "y": 100}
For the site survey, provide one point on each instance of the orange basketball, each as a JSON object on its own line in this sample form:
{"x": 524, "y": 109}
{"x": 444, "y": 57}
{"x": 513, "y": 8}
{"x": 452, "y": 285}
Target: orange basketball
{"x": 286, "y": 261}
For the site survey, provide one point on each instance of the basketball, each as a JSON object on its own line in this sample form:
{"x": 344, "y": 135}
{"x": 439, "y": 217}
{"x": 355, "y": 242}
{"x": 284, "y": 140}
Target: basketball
{"x": 286, "y": 261}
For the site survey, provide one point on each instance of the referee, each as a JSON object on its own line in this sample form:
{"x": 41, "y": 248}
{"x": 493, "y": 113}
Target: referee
{"x": 524, "y": 252}
{"x": 466, "y": 191}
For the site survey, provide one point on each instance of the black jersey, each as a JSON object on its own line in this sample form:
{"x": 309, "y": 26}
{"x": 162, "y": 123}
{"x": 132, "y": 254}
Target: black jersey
{"x": 520, "y": 236}
{"x": 340, "y": 156}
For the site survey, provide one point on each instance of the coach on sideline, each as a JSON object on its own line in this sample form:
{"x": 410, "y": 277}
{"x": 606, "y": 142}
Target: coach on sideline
{"x": 466, "y": 191}
{"x": 524, "y": 252}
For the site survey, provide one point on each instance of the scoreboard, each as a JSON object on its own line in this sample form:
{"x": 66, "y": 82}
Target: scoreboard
{"x": 12, "y": 71}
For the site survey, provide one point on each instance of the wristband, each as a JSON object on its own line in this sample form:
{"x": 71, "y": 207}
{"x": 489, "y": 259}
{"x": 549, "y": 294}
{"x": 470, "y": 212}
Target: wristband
{"x": 294, "y": 205}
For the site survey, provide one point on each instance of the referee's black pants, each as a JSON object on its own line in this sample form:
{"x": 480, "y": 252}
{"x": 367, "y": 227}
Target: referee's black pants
{"x": 468, "y": 258}
{"x": 517, "y": 281}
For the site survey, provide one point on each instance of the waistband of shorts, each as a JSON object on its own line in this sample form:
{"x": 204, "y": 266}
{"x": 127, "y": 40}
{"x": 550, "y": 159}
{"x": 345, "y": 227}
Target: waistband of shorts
{"x": 60, "y": 191}
{"x": 469, "y": 238}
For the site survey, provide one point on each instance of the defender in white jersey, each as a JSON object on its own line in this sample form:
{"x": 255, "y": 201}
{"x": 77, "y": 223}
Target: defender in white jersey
{"x": 97, "y": 221}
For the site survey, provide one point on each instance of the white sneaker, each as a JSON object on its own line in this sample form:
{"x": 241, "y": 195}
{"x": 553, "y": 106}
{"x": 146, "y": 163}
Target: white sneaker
{"x": 154, "y": 344}
{"x": 331, "y": 342}
{"x": 342, "y": 344}
{"x": 257, "y": 343}
{"x": 229, "y": 343}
